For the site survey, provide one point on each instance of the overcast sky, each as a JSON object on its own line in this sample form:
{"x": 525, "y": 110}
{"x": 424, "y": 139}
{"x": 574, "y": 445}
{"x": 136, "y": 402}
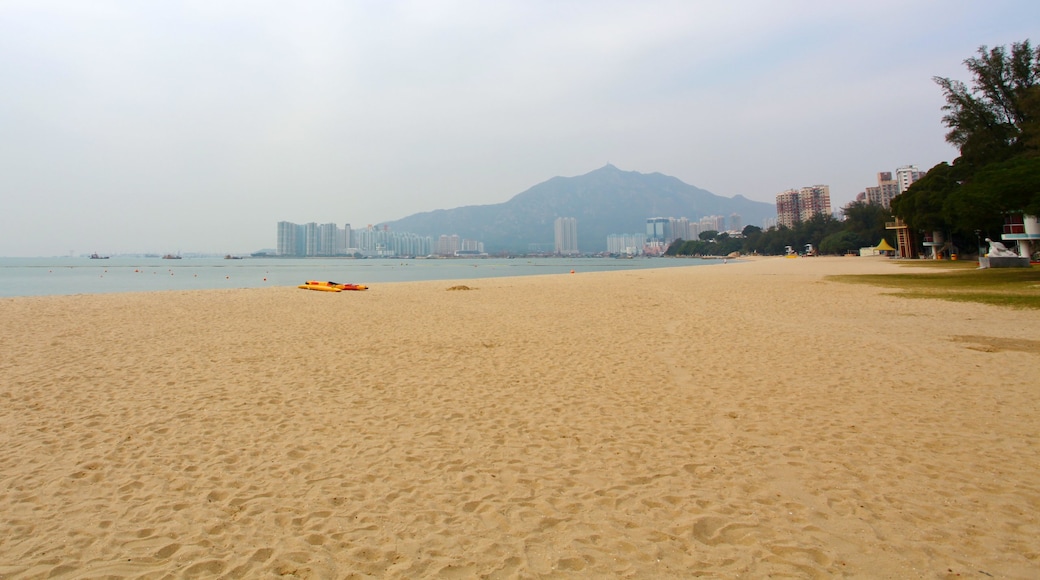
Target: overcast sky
{"x": 129, "y": 126}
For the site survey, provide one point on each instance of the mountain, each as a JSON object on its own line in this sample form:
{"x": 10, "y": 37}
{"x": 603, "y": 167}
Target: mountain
{"x": 605, "y": 201}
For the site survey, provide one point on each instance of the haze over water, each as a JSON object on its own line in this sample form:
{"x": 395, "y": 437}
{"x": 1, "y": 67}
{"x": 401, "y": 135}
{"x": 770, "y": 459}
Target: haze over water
{"x": 63, "y": 276}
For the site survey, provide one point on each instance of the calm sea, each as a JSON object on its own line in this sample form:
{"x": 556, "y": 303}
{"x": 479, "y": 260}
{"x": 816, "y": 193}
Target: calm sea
{"x": 49, "y": 276}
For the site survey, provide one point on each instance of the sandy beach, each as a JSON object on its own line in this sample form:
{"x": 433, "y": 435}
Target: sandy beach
{"x": 741, "y": 420}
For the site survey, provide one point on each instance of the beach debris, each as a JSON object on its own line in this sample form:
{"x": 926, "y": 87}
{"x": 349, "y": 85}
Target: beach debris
{"x": 461, "y": 287}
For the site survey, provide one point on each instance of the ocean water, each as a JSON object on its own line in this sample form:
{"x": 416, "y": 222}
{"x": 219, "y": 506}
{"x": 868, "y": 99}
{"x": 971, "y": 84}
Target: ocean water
{"x": 55, "y": 276}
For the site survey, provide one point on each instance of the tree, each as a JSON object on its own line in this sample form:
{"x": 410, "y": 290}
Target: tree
{"x": 987, "y": 122}
{"x": 1011, "y": 185}
{"x": 750, "y": 230}
{"x": 866, "y": 221}
{"x": 996, "y": 126}
{"x": 921, "y": 206}
{"x": 841, "y": 243}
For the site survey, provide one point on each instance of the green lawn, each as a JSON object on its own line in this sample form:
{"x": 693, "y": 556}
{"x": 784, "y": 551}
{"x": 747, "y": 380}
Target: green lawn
{"x": 959, "y": 281}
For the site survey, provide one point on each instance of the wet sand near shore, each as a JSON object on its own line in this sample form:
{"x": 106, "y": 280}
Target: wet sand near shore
{"x": 742, "y": 420}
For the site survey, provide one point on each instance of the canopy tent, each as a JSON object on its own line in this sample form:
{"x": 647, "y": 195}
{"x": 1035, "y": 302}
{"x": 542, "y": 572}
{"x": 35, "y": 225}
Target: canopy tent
{"x": 884, "y": 247}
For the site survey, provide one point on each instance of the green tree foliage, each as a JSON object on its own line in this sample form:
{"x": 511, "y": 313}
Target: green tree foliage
{"x": 988, "y": 121}
{"x": 814, "y": 230}
{"x": 864, "y": 225}
{"x": 921, "y": 206}
{"x": 841, "y": 242}
{"x": 996, "y": 126}
{"x": 867, "y": 222}
{"x": 715, "y": 244}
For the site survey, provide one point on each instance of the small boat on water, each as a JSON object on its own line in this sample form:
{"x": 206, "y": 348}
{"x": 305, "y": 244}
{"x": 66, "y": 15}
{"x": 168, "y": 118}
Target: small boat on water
{"x": 96, "y": 256}
{"x": 171, "y": 257}
{"x": 328, "y": 286}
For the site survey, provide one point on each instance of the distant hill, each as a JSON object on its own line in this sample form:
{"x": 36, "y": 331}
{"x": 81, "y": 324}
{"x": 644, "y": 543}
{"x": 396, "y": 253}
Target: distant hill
{"x": 605, "y": 201}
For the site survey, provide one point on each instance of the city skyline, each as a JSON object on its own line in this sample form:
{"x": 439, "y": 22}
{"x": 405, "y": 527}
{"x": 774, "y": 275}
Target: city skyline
{"x": 312, "y": 239}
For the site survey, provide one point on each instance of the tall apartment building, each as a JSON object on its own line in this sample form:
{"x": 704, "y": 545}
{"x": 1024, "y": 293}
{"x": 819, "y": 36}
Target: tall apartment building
{"x": 713, "y": 223}
{"x": 906, "y": 175}
{"x": 681, "y": 229}
{"x": 290, "y": 239}
{"x": 788, "y": 208}
{"x": 472, "y": 246}
{"x": 736, "y": 223}
{"x": 798, "y": 205}
{"x": 886, "y": 189}
{"x": 659, "y": 230}
{"x": 311, "y": 239}
{"x": 448, "y": 245}
{"x": 565, "y": 236}
{"x": 626, "y": 244}
{"x": 380, "y": 241}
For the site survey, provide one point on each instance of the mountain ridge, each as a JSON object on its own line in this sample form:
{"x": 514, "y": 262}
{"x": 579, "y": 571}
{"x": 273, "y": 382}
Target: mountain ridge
{"x": 604, "y": 201}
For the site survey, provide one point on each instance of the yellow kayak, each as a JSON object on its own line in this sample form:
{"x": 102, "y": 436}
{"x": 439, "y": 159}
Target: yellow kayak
{"x": 337, "y": 285}
{"x": 319, "y": 288}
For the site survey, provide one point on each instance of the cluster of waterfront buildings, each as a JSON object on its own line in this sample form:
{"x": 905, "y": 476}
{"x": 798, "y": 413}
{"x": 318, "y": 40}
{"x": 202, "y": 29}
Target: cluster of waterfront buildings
{"x": 889, "y": 187}
{"x": 313, "y": 239}
{"x": 329, "y": 239}
{"x": 798, "y": 205}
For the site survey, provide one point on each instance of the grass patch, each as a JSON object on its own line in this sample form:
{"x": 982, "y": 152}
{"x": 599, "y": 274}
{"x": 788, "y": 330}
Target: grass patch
{"x": 960, "y": 282}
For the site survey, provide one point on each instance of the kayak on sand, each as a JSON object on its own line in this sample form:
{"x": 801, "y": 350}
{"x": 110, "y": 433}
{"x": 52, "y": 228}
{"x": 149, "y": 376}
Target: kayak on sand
{"x": 328, "y": 286}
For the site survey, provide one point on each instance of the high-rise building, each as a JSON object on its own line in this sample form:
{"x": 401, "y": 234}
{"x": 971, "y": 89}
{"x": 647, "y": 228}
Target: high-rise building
{"x": 448, "y": 245}
{"x": 714, "y": 223}
{"x": 886, "y": 189}
{"x": 736, "y": 224}
{"x": 382, "y": 242}
{"x": 290, "y": 239}
{"x": 659, "y": 230}
{"x": 815, "y": 199}
{"x": 328, "y": 240}
{"x": 312, "y": 239}
{"x": 626, "y": 244}
{"x": 788, "y": 208}
{"x": 906, "y": 175}
{"x": 680, "y": 229}
{"x": 566, "y": 236}
{"x": 798, "y": 205}
{"x": 344, "y": 239}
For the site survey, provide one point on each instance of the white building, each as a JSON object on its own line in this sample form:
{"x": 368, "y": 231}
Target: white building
{"x": 906, "y": 175}
{"x": 626, "y": 244}
{"x": 566, "y": 236}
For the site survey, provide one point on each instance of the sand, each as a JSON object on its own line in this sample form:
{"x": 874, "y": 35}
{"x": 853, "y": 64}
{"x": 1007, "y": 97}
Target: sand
{"x": 739, "y": 420}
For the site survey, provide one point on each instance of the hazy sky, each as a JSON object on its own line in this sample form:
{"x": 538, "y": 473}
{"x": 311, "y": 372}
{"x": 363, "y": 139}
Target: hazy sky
{"x": 129, "y": 126}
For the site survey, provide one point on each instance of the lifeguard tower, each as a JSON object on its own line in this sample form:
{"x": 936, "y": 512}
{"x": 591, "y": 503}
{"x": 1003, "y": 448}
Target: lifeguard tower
{"x": 1024, "y": 230}
{"x": 904, "y": 238}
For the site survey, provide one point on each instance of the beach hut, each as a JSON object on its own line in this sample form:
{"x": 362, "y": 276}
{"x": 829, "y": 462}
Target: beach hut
{"x": 884, "y": 248}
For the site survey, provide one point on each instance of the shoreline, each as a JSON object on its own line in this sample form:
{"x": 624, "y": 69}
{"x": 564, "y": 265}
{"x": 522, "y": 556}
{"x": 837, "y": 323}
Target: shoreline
{"x": 748, "y": 419}
{"x": 46, "y": 278}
